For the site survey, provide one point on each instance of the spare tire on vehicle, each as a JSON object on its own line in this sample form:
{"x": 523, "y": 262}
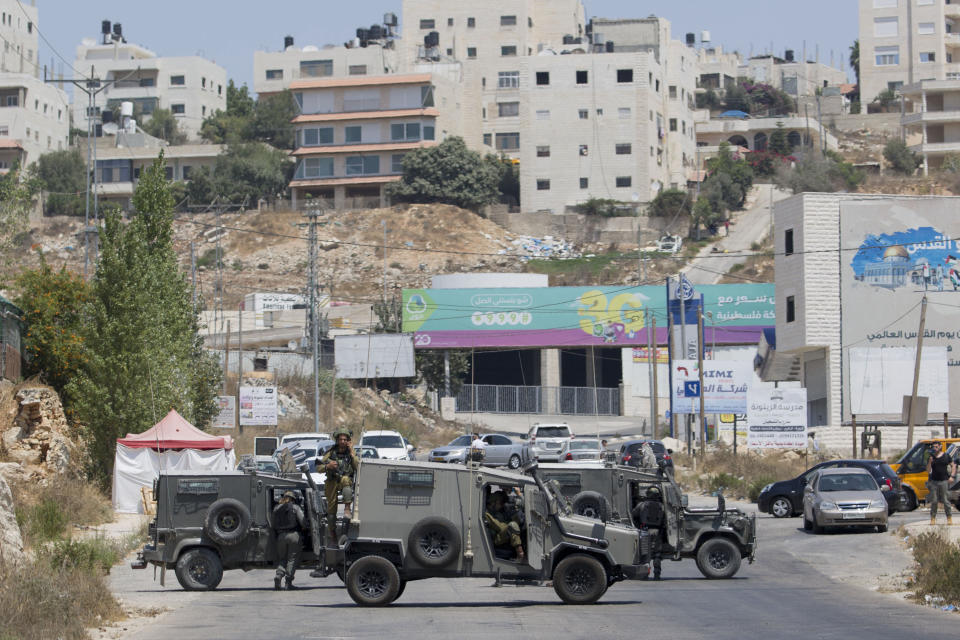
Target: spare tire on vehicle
{"x": 591, "y": 504}
{"x": 434, "y": 542}
{"x": 227, "y": 521}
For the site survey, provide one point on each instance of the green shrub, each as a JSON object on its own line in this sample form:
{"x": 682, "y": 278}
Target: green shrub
{"x": 209, "y": 258}
{"x": 44, "y": 521}
{"x": 901, "y": 158}
{"x": 604, "y": 207}
{"x": 756, "y": 485}
{"x": 96, "y": 555}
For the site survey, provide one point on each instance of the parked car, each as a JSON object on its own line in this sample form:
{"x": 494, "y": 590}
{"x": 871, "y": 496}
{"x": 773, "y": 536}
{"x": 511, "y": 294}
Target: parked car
{"x": 546, "y": 440}
{"x": 305, "y": 438}
{"x": 580, "y": 450}
{"x": 456, "y": 451}
{"x": 669, "y": 244}
{"x": 389, "y": 444}
{"x": 843, "y": 497}
{"x": 631, "y": 453}
{"x": 784, "y": 499}
{"x": 499, "y": 450}
{"x": 912, "y": 469}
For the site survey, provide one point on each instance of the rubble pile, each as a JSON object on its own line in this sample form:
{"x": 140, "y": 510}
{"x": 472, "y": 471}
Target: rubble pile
{"x": 529, "y": 247}
{"x": 34, "y": 433}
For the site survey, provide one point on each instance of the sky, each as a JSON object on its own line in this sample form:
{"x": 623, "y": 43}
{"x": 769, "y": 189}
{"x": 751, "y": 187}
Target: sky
{"x": 229, "y": 31}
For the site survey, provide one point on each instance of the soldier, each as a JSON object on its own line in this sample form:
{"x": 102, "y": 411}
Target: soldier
{"x": 648, "y": 516}
{"x": 505, "y": 529}
{"x": 288, "y": 522}
{"x": 648, "y": 459}
{"x": 340, "y": 465}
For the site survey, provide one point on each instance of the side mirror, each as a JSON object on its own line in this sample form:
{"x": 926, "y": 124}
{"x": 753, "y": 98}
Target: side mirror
{"x": 684, "y": 502}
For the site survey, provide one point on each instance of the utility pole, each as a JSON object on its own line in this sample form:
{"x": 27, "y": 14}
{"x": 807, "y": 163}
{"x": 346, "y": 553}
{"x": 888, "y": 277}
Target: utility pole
{"x": 656, "y": 364}
{"x": 703, "y": 422}
{"x": 193, "y": 273}
{"x": 652, "y": 373}
{"x": 384, "y": 222}
{"x": 916, "y": 372}
{"x": 239, "y": 358}
{"x": 226, "y": 358}
{"x": 313, "y": 214}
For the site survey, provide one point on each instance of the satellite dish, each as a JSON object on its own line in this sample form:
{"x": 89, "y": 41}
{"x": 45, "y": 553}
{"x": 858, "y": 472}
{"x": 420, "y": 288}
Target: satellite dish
{"x": 292, "y": 345}
{"x": 110, "y": 128}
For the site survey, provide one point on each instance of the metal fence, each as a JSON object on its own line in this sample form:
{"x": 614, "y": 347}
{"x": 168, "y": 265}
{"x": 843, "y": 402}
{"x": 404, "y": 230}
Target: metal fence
{"x": 489, "y": 398}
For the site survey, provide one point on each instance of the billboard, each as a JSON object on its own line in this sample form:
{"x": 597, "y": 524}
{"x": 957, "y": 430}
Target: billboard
{"x": 258, "y": 406}
{"x": 575, "y": 316}
{"x": 725, "y": 385}
{"x": 388, "y": 355}
{"x": 777, "y": 418}
{"x": 226, "y": 417}
{"x": 895, "y": 252}
{"x": 879, "y": 378}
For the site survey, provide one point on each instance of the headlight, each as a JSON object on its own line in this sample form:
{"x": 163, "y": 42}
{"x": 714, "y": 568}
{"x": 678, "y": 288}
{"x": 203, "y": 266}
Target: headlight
{"x": 456, "y": 452}
{"x": 878, "y": 503}
{"x": 766, "y": 488}
{"x": 827, "y": 505}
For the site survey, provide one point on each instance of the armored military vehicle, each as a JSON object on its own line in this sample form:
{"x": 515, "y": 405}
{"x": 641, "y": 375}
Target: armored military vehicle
{"x": 410, "y": 521}
{"x": 718, "y": 538}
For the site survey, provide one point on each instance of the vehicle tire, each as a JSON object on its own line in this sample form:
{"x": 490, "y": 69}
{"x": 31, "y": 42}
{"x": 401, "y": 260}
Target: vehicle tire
{"x": 881, "y": 528}
{"x": 514, "y": 462}
{"x": 718, "y": 558}
{"x": 781, "y": 507}
{"x": 403, "y": 585}
{"x": 910, "y": 504}
{"x": 373, "y": 581}
{"x": 199, "y": 569}
{"x": 434, "y": 542}
{"x": 807, "y": 525}
{"x": 340, "y": 574}
{"x": 816, "y": 527}
{"x": 227, "y": 521}
{"x": 591, "y": 504}
{"x": 580, "y": 579}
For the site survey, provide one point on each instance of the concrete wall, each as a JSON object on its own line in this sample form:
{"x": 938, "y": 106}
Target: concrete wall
{"x": 578, "y": 228}
{"x": 885, "y": 123}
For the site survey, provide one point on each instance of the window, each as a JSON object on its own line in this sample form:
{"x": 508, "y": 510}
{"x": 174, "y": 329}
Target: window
{"x": 584, "y": 150}
{"x": 429, "y": 132}
{"x": 148, "y": 82}
{"x": 405, "y": 131}
{"x": 788, "y": 242}
{"x": 219, "y": 89}
{"x": 449, "y": 22}
{"x": 582, "y": 77}
{"x": 185, "y": 172}
{"x": 315, "y": 168}
{"x": 4, "y": 130}
{"x": 316, "y": 68}
{"x": 178, "y": 108}
{"x": 600, "y": 111}
{"x": 926, "y": 28}
{"x": 353, "y": 134}
{"x": 927, "y": 56}
{"x": 508, "y": 80}
{"x": 428, "y": 24}
{"x": 471, "y": 23}
{"x": 508, "y": 21}
{"x": 363, "y": 165}
{"x": 624, "y": 182}
{"x": 178, "y": 81}
{"x": 623, "y": 113}
{"x": 624, "y": 75}
{"x": 583, "y": 114}
{"x": 886, "y": 56}
{"x": 396, "y": 163}
{"x": 115, "y": 170}
{"x": 672, "y": 91}
{"x": 791, "y": 309}
{"x": 510, "y": 50}
{"x": 203, "y": 110}
{"x": 543, "y": 185}
{"x": 357, "y": 70}
{"x": 656, "y": 85}
{"x": 896, "y": 85}
{"x": 543, "y": 114}
{"x": 488, "y": 139}
{"x": 426, "y": 96}
{"x": 471, "y": 52}
{"x": 508, "y": 109}
{"x": 624, "y": 149}
{"x": 885, "y": 27}
{"x": 507, "y": 141}
{"x": 315, "y": 137}
{"x": 543, "y": 152}
{"x": 673, "y": 124}
{"x": 203, "y": 83}
{"x": 884, "y": 4}
{"x": 543, "y": 78}
{"x": 584, "y": 183}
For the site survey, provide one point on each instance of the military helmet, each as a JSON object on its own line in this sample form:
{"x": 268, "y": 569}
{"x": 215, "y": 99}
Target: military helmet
{"x": 342, "y": 431}
{"x": 653, "y": 492}
{"x": 290, "y": 494}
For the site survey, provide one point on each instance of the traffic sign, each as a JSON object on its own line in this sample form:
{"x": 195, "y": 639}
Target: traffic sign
{"x": 691, "y": 388}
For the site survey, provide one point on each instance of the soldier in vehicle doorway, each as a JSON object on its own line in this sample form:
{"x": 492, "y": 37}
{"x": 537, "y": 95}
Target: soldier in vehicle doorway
{"x": 340, "y": 464}
{"x": 502, "y": 525}
{"x": 648, "y": 516}
{"x": 288, "y": 522}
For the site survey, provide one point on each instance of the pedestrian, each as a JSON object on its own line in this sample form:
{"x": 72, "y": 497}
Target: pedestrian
{"x": 340, "y": 465}
{"x": 603, "y": 445}
{"x": 648, "y": 516}
{"x": 477, "y": 448}
{"x": 726, "y": 228}
{"x": 941, "y": 469}
{"x": 288, "y": 523}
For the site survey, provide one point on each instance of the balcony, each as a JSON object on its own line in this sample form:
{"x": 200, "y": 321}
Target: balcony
{"x": 930, "y": 117}
{"x": 936, "y": 148}
{"x": 951, "y": 40}
{"x": 951, "y": 10}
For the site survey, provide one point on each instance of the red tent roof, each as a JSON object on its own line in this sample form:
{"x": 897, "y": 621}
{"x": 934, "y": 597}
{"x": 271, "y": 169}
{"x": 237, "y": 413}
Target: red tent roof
{"x": 174, "y": 432}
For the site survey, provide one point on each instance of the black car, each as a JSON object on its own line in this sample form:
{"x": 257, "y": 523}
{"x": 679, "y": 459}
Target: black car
{"x": 784, "y": 499}
{"x": 631, "y": 455}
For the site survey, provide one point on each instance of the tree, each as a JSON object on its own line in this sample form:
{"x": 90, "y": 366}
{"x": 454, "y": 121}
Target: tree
{"x": 52, "y": 304}
{"x": 855, "y": 61}
{"x": 145, "y": 354}
{"x": 63, "y": 175}
{"x": 449, "y": 173}
{"x": 272, "y": 120}
{"x": 737, "y": 99}
{"x": 901, "y": 158}
{"x": 670, "y": 202}
{"x": 162, "y": 124}
{"x": 431, "y": 369}
{"x": 779, "y": 143}
{"x": 232, "y": 125}
{"x": 708, "y": 100}
{"x": 886, "y": 98}
{"x": 732, "y": 175}
{"x": 16, "y": 200}
{"x": 268, "y": 119}
{"x": 764, "y": 97}
{"x": 815, "y": 173}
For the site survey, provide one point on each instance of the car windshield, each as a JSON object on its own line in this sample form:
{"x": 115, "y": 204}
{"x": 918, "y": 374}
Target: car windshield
{"x": 553, "y": 432}
{"x": 462, "y": 441}
{"x": 847, "y": 482}
{"x": 585, "y": 444}
{"x": 384, "y": 442}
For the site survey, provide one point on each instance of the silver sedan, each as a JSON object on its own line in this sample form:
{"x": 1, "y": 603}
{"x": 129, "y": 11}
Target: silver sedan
{"x": 580, "y": 450}
{"x": 843, "y": 497}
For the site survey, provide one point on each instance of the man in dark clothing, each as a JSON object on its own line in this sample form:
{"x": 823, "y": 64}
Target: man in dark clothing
{"x": 288, "y": 522}
{"x": 941, "y": 469}
{"x": 648, "y": 516}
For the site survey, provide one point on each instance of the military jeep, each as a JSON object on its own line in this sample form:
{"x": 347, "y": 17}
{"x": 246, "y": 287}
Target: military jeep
{"x": 717, "y": 538}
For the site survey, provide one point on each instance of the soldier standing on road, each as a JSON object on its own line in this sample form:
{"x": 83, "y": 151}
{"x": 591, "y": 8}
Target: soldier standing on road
{"x": 941, "y": 469}
{"x": 648, "y": 516}
{"x": 288, "y": 522}
{"x": 340, "y": 464}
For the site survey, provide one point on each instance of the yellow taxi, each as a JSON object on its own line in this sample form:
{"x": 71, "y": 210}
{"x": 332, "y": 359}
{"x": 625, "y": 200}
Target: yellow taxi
{"x": 912, "y": 469}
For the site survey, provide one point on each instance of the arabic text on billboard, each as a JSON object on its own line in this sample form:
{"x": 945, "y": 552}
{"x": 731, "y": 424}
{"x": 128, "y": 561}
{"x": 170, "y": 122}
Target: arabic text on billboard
{"x": 777, "y": 418}
{"x": 226, "y": 417}
{"x": 725, "y": 384}
{"x": 258, "y": 406}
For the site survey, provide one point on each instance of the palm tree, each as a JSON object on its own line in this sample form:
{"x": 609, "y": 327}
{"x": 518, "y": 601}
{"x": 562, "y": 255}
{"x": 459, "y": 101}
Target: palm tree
{"x": 855, "y": 59}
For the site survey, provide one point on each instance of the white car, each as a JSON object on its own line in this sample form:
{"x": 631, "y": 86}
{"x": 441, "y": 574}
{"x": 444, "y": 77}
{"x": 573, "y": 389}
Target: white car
{"x": 389, "y": 444}
{"x": 669, "y": 244}
{"x": 546, "y": 440}
{"x": 307, "y": 438}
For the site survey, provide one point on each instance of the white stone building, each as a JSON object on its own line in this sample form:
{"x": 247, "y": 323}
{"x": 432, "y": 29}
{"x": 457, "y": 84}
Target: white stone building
{"x": 933, "y": 120}
{"x": 797, "y": 78}
{"x": 191, "y": 87}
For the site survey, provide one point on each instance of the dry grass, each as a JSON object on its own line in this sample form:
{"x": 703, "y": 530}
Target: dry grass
{"x": 47, "y": 512}
{"x": 741, "y": 475}
{"x": 937, "y": 568}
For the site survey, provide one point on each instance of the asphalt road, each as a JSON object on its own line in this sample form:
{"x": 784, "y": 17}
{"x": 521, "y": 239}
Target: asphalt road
{"x": 801, "y": 586}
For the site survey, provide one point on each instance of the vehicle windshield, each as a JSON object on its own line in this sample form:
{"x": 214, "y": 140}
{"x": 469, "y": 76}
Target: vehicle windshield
{"x": 462, "y": 441}
{"x": 383, "y": 442}
{"x": 657, "y": 447}
{"x": 585, "y": 444}
{"x": 553, "y": 432}
{"x": 268, "y": 467}
{"x": 847, "y": 482}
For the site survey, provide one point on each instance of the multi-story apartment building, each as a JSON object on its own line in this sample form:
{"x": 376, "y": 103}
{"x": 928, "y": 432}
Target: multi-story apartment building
{"x": 798, "y": 78}
{"x": 905, "y": 41}
{"x": 935, "y": 120}
{"x": 353, "y": 132}
{"x": 34, "y": 116}
{"x": 719, "y": 69}
{"x": 190, "y": 87}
